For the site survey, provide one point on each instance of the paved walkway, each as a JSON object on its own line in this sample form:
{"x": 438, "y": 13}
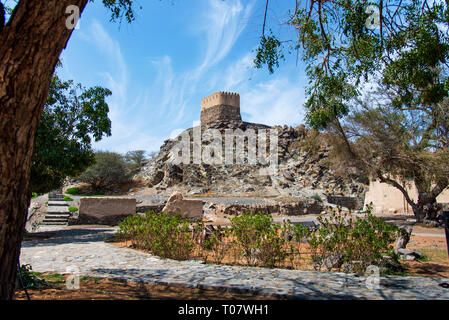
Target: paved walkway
{"x": 83, "y": 248}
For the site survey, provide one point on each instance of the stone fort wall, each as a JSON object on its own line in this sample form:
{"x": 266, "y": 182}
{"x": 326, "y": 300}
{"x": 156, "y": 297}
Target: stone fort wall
{"x": 220, "y": 106}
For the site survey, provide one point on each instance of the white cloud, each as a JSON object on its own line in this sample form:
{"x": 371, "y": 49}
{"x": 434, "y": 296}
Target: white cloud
{"x": 275, "y": 102}
{"x": 238, "y": 73}
{"x": 222, "y": 24}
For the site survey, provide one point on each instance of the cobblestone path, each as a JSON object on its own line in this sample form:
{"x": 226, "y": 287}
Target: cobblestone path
{"x": 84, "y": 249}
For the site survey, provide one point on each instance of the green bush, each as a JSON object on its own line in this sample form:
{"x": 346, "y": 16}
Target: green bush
{"x": 73, "y": 209}
{"x": 109, "y": 171}
{"x": 73, "y": 191}
{"x": 67, "y": 198}
{"x": 262, "y": 241}
{"x": 344, "y": 242}
{"x": 215, "y": 243}
{"x": 29, "y": 279}
{"x": 160, "y": 234}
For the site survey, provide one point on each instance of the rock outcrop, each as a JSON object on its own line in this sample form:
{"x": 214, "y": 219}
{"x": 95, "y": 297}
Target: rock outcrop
{"x": 189, "y": 209}
{"x": 301, "y": 172}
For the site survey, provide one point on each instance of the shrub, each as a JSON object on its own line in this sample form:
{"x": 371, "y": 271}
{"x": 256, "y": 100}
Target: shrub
{"x": 262, "y": 241}
{"x": 109, "y": 170}
{"x": 216, "y": 243}
{"x": 343, "y": 242}
{"x": 73, "y": 191}
{"x": 67, "y": 198}
{"x": 160, "y": 234}
{"x": 73, "y": 209}
{"x": 28, "y": 277}
{"x": 317, "y": 197}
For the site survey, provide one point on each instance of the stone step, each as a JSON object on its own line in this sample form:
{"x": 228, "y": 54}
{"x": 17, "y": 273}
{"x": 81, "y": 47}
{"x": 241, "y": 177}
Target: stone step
{"x": 55, "y": 220}
{"x": 57, "y": 209}
{"x": 56, "y": 199}
{"x": 58, "y": 215}
{"x": 55, "y": 195}
{"x": 57, "y": 203}
{"x": 54, "y": 223}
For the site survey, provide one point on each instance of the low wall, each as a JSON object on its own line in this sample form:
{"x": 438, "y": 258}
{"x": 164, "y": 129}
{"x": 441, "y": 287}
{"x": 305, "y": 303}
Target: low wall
{"x": 352, "y": 203}
{"x": 105, "y": 211}
{"x": 296, "y": 208}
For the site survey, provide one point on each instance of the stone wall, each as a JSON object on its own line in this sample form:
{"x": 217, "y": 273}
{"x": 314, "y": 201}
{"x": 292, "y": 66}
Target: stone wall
{"x": 352, "y": 203}
{"x": 105, "y": 211}
{"x": 220, "y": 106}
{"x": 295, "y": 208}
{"x": 220, "y": 113}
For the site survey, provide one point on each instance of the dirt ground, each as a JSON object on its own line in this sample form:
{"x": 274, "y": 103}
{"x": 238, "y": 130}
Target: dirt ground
{"x": 101, "y": 289}
{"x": 436, "y": 262}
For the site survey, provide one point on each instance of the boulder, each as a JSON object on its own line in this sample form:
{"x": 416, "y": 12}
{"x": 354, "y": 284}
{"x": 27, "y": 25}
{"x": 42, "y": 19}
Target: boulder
{"x": 105, "y": 211}
{"x": 408, "y": 254}
{"x": 156, "y": 178}
{"x": 189, "y": 209}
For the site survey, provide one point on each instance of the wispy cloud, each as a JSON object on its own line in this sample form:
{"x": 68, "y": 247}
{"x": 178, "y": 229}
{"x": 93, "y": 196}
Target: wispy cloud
{"x": 222, "y": 24}
{"x": 125, "y": 111}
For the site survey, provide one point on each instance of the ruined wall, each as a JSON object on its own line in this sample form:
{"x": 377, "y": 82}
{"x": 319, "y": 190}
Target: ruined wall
{"x": 220, "y": 106}
{"x": 387, "y": 199}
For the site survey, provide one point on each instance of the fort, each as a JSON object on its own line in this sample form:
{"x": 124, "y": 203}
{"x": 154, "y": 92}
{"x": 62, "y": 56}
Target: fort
{"x": 220, "y": 106}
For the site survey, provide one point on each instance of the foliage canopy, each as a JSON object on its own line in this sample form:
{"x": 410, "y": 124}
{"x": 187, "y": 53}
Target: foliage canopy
{"x": 72, "y": 117}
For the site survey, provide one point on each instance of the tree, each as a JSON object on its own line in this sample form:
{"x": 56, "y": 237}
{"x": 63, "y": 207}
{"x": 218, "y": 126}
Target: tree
{"x": 30, "y": 45}
{"x": 135, "y": 159}
{"x": 63, "y": 143}
{"x": 400, "y": 48}
{"x": 109, "y": 170}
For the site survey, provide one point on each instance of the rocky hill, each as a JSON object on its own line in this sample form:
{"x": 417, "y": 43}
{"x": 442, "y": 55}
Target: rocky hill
{"x": 304, "y": 170}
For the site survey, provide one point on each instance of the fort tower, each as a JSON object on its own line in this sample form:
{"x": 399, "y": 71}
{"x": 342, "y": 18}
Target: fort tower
{"x": 220, "y": 106}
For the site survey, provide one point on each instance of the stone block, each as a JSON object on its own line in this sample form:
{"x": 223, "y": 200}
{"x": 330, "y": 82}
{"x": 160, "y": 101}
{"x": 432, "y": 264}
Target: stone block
{"x": 105, "y": 211}
{"x": 189, "y": 209}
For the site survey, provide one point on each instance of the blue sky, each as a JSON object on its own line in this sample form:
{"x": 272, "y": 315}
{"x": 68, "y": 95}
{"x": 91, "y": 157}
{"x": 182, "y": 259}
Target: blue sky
{"x": 174, "y": 54}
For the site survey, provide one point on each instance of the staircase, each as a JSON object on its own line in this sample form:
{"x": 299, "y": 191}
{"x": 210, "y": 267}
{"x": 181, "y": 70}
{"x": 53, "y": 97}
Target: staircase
{"x": 57, "y": 210}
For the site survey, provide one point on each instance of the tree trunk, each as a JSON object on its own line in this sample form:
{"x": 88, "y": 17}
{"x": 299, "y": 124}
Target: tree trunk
{"x": 30, "y": 43}
{"x": 426, "y": 207}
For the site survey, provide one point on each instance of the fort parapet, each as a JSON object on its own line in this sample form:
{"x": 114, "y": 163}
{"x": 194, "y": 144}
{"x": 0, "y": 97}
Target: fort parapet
{"x": 220, "y": 106}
